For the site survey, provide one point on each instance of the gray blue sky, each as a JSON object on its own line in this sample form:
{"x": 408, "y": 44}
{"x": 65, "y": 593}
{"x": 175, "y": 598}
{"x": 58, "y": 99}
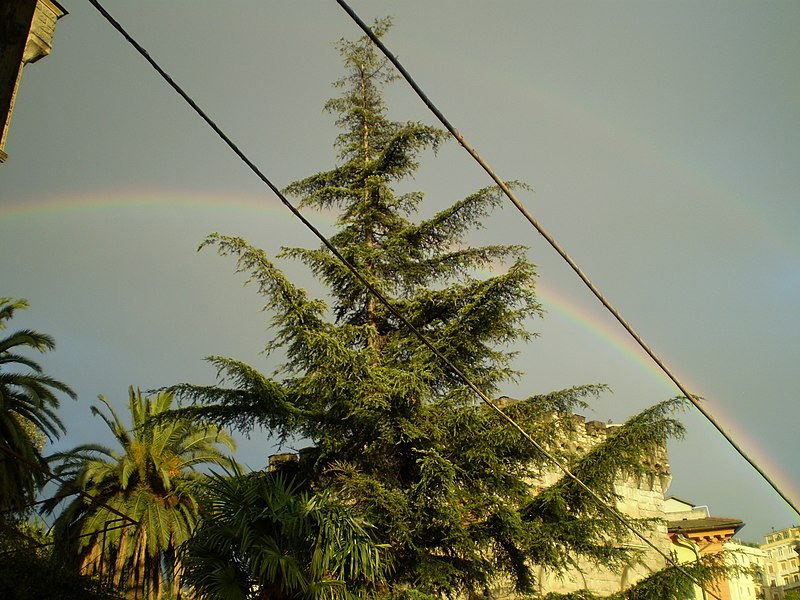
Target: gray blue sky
{"x": 662, "y": 140}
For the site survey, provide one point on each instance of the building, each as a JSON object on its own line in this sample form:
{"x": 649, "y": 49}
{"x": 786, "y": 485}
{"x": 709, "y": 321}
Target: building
{"x": 745, "y": 586}
{"x": 681, "y": 529}
{"x": 783, "y": 562}
{"x": 27, "y": 28}
{"x": 695, "y": 533}
{"x": 638, "y": 497}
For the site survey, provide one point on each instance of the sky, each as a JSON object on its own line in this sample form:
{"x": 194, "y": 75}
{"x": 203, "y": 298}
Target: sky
{"x": 661, "y": 142}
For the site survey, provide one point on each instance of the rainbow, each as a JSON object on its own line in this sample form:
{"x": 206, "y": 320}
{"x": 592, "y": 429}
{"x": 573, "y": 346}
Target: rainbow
{"x": 146, "y": 201}
{"x": 599, "y": 325}
{"x": 219, "y": 209}
{"x": 137, "y": 200}
{"x": 610, "y": 333}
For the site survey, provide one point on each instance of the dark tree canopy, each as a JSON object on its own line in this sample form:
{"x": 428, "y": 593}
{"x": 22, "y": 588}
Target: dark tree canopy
{"x": 28, "y": 402}
{"x": 31, "y": 570}
{"x": 393, "y": 433}
{"x": 261, "y": 529}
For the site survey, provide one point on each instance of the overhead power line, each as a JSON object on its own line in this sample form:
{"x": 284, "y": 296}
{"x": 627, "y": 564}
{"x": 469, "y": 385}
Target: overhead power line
{"x": 34, "y": 543}
{"x": 67, "y": 484}
{"x": 36, "y": 502}
{"x": 381, "y": 298}
{"x": 561, "y": 251}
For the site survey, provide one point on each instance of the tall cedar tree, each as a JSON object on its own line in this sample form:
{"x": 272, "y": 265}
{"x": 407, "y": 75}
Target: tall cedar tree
{"x": 394, "y": 433}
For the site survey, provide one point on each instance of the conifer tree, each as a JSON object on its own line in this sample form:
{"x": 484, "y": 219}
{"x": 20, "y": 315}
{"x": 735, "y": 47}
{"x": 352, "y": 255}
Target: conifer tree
{"x": 392, "y": 432}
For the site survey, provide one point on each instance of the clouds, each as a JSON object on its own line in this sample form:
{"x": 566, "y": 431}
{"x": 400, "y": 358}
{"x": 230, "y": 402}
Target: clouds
{"x": 661, "y": 141}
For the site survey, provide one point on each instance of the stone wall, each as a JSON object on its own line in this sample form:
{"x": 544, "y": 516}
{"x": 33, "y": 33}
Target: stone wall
{"x": 40, "y": 39}
{"x": 26, "y": 35}
{"x": 638, "y": 498}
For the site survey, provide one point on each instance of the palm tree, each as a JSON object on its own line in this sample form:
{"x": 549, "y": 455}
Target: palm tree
{"x": 152, "y": 479}
{"x": 266, "y": 539}
{"x": 28, "y": 400}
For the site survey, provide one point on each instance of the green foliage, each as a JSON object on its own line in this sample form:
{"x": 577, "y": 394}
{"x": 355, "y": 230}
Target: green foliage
{"x": 29, "y": 570}
{"x": 671, "y": 583}
{"x": 265, "y": 537}
{"x": 152, "y": 479}
{"x": 396, "y": 437}
{"x": 28, "y": 401}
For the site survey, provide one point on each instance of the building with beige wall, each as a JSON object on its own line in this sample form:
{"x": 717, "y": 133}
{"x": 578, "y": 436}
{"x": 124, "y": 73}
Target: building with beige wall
{"x": 748, "y": 584}
{"x": 783, "y": 562}
{"x": 638, "y": 498}
{"x": 695, "y": 533}
{"x": 680, "y": 529}
{"x": 27, "y": 28}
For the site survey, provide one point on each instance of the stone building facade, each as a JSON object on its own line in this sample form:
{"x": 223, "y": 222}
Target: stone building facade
{"x": 783, "y": 562}
{"x": 26, "y": 35}
{"x": 695, "y": 533}
{"x": 638, "y": 498}
{"x": 746, "y": 586}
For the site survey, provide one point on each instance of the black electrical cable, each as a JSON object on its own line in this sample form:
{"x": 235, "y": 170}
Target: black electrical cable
{"x": 557, "y": 247}
{"x": 34, "y": 543}
{"x": 36, "y": 503}
{"x": 48, "y": 473}
{"x": 613, "y": 511}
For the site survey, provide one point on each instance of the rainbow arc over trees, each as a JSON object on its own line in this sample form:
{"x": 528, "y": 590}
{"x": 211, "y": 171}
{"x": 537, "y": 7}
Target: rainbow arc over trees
{"x": 229, "y": 209}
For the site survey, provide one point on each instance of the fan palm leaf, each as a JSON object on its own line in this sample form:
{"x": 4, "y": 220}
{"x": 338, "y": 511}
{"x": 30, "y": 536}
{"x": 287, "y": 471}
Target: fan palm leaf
{"x": 266, "y": 538}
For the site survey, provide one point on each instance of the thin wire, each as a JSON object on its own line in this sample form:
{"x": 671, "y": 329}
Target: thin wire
{"x": 557, "y": 247}
{"x": 65, "y": 483}
{"x": 381, "y": 298}
{"x": 37, "y": 544}
{"x": 35, "y": 503}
